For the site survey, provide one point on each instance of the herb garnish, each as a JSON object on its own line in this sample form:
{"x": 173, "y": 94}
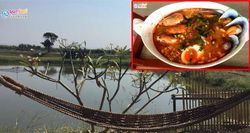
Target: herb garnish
{"x": 189, "y": 22}
{"x": 201, "y": 41}
{"x": 202, "y": 30}
{"x": 203, "y": 44}
{"x": 191, "y": 52}
{"x": 190, "y": 61}
{"x": 183, "y": 46}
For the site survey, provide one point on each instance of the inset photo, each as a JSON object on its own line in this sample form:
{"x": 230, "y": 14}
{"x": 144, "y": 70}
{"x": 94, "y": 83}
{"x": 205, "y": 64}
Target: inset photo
{"x": 190, "y": 35}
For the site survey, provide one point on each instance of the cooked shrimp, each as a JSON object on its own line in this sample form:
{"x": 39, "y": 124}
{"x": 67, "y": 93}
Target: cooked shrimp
{"x": 176, "y": 29}
{"x": 173, "y": 19}
{"x": 164, "y": 39}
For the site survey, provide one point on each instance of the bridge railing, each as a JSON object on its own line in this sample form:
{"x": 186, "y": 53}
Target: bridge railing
{"x": 198, "y": 93}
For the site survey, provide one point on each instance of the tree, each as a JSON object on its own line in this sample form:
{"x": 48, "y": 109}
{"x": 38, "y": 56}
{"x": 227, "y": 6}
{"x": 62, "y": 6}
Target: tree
{"x": 101, "y": 70}
{"x": 50, "y": 38}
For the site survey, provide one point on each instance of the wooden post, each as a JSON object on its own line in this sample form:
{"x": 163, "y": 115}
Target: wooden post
{"x": 174, "y": 102}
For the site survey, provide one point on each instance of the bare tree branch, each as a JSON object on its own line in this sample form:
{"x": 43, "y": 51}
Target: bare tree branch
{"x": 45, "y": 77}
{"x": 159, "y": 78}
{"x": 143, "y": 88}
{"x": 150, "y": 100}
{"x": 61, "y": 67}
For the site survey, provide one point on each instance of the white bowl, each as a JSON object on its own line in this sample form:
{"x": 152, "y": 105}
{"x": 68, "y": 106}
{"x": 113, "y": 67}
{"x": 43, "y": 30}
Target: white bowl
{"x": 146, "y": 28}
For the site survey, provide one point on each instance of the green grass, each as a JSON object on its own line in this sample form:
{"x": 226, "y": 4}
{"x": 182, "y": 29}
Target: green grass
{"x": 56, "y": 129}
{"x": 13, "y": 58}
{"x": 227, "y": 80}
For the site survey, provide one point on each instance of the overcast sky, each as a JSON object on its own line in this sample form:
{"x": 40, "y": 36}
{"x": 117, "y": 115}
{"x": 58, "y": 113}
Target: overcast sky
{"x": 99, "y": 22}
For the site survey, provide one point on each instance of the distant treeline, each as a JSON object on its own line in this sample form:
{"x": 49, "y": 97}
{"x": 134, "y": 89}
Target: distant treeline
{"x": 21, "y": 47}
{"x": 28, "y": 47}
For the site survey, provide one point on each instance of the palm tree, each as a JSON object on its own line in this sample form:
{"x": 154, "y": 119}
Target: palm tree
{"x": 50, "y": 38}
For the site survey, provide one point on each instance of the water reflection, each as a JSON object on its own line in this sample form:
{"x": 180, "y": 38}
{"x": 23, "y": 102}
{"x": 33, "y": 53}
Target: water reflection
{"x": 49, "y": 70}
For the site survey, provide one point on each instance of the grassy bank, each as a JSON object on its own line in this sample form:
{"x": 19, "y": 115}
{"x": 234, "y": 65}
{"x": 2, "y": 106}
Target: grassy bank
{"x": 54, "y": 58}
{"x": 227, "y": 80}
{"x": 57, "y": 129}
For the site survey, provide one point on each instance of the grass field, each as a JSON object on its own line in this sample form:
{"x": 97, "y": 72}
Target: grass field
{"x": 13, "y": 58}
{"x": 54, "y": 129}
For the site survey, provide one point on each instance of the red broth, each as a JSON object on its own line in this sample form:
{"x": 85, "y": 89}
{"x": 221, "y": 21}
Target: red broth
{"x": 193, "y": 36}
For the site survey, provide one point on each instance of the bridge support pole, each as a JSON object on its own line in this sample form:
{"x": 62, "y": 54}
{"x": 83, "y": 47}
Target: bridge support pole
{"x": 174, "y": 102}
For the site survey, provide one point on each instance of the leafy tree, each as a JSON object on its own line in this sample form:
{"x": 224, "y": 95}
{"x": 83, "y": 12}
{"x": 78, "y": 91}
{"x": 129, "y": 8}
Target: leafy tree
{"x": 50, "y": 38}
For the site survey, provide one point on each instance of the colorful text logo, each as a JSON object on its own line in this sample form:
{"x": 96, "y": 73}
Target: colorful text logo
{"x": 14, "y": 13}
{"x": 140, "y": 5}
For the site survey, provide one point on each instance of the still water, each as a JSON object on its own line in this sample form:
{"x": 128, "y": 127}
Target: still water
{"x": 15, "y": 109}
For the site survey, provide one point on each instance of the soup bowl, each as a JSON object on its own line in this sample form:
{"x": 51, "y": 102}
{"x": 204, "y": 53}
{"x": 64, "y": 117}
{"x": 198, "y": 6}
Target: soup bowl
{"x": 146, "y": 29}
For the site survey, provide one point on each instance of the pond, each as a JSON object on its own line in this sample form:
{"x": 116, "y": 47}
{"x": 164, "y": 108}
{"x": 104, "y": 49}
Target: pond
{"x": 21, "y": 111}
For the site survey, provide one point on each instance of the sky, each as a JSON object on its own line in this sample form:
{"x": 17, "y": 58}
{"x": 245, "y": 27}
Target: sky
{"x": 98, "y": 22}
